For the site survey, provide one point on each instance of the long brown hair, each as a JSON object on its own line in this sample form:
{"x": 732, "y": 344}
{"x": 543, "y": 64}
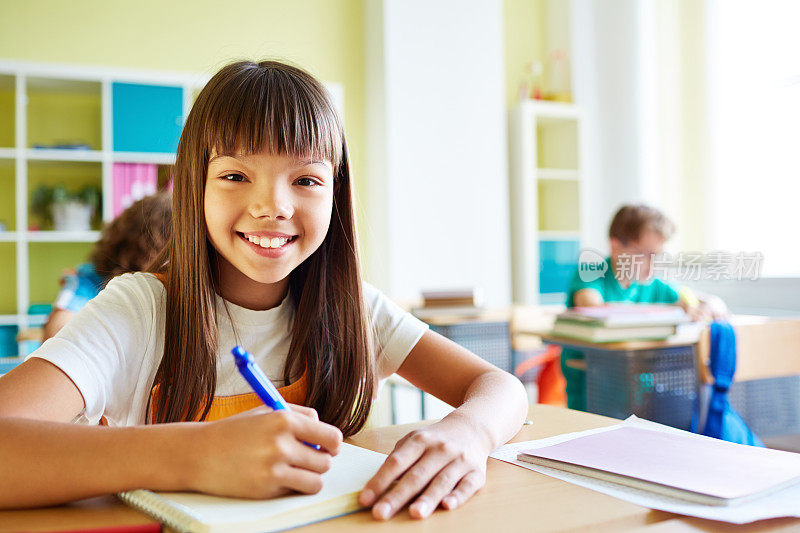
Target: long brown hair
{"x": 248, "y": 107}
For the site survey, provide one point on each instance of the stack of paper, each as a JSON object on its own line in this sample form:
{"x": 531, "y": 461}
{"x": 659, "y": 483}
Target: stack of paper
{"x": 669, "y": 469}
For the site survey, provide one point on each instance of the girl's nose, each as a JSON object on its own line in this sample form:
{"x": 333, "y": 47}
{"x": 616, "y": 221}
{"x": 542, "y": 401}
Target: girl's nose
{"x": 271, "y": 203}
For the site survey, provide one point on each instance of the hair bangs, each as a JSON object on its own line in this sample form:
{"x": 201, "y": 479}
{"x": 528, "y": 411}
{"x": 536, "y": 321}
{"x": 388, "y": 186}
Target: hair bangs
{"x": 268, "y": 109}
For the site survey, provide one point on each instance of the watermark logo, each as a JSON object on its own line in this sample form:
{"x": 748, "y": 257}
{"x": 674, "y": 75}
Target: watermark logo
{"x": 716, "y": 265}
{"x": 591, "y": 265}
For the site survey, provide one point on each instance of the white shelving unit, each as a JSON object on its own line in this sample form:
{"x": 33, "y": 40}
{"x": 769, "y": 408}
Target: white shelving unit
{"x": 69, "y": 79}
{"x": 544, "y": 156}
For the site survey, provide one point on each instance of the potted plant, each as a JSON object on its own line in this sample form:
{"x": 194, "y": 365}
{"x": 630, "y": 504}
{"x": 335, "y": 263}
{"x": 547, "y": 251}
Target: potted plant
{"x": 66, "y": 210}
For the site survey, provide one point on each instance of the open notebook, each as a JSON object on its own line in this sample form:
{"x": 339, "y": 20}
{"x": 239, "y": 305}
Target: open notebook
{"x": 193, "y": 512}
{"x": 682, "y": 465}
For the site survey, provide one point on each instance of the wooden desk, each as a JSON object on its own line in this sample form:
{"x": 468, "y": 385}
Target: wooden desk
{"x": 514, "y": 499}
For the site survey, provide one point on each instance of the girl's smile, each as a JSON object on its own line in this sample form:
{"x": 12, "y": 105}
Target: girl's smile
{"x": 265, "y": 214}
{"x": 268, "y": 243}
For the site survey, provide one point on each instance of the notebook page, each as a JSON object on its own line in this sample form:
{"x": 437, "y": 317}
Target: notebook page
{"x": 350, "y": 471}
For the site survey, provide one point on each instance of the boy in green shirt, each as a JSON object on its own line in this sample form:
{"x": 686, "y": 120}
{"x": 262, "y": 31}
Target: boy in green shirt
{"x": 637, "y": 235}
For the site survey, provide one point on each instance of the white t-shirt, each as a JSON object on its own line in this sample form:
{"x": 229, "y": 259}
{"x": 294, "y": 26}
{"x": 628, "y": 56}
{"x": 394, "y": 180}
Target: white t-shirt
{"x": 111, "y": 349}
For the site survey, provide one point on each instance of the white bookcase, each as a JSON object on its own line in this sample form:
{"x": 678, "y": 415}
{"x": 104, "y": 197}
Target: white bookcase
{"x": 545, "y": 201}
{"x": 88, "y": 90}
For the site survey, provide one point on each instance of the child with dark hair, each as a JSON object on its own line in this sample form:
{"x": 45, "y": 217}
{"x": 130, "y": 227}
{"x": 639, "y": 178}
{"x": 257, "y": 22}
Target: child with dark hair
{"x": 128, "y": 244}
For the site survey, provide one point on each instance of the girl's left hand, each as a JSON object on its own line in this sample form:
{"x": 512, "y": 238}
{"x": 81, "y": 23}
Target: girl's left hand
{"x": 446, "y": 459}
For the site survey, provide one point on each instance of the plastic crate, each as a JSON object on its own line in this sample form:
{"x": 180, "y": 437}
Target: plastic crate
{"x": 489, "y": 340}
{"x": 658, "y": 384}
{"x": 770, "y": 406}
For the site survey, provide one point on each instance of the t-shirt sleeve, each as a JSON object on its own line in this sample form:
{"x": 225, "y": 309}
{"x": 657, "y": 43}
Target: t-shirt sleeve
{"x": 666, "y": 292}
{"x": 101, "y": 347}
{"x": 577, "y": 284}
{"x": 396, "y": 331}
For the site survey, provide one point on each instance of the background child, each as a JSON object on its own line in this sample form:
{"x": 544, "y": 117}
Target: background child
{"x": 263, "y": 253}
{"x": 636, "y": 236}
{"x": 129, "y": 243}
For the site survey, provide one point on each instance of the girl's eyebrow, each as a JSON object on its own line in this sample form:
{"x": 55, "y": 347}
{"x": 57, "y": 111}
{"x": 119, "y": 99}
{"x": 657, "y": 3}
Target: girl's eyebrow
{"x": 218, "y": 156}
{"x": 307, "y": 162}
{"x": 301, "y": 163}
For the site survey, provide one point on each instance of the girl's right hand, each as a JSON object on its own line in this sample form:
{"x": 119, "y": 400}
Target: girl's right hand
{"x": 260, "y": 454}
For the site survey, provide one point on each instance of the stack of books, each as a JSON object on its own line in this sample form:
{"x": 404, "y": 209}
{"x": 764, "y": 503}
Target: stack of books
{"x": 467, "y": 302}
{"x": 619, "y": 322}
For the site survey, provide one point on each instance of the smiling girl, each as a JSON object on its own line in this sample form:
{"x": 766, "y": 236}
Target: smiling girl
{"x": 264, "y": 254}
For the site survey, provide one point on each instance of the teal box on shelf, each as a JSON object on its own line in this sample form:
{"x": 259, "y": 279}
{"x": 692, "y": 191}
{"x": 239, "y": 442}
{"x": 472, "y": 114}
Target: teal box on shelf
{"x": 8, "y": 341}
{"x": 146, "y": 118}
{"x": 558, "y": 263}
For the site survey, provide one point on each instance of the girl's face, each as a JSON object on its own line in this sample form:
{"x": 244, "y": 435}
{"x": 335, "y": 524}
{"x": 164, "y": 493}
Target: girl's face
{"x": 265, "y": 214}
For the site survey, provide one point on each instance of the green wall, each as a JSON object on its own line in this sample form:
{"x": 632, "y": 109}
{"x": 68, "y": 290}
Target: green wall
{"x": 8, "y": 278}
{"x": 7, "y": 111}
{"x": 7, "y": 211}
{"x": 65, "y": 117}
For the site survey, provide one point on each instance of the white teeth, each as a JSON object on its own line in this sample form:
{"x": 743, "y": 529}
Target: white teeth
{"x": 266, "y": 242}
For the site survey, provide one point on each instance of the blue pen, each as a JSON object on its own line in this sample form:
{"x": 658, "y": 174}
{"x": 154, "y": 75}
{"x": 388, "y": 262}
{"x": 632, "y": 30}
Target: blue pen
{"x": 262, "y": 386}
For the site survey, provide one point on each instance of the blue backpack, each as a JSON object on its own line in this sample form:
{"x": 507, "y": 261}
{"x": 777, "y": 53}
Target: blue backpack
{"x": 722, "y": 422}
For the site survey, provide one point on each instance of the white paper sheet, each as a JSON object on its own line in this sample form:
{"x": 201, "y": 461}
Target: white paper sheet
{"x": 778, "y": 504}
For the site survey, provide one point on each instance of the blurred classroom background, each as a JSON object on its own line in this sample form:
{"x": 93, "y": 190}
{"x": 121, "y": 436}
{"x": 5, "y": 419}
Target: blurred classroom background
{"x": 491, "y": 140}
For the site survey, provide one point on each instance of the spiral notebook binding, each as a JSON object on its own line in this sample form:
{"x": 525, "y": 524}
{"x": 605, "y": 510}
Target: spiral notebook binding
{"x": 168, "y": 513}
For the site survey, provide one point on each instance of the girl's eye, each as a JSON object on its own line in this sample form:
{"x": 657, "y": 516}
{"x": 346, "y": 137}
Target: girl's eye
{"x": 232, "y": 177}
{"x": 306, "y": 182}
